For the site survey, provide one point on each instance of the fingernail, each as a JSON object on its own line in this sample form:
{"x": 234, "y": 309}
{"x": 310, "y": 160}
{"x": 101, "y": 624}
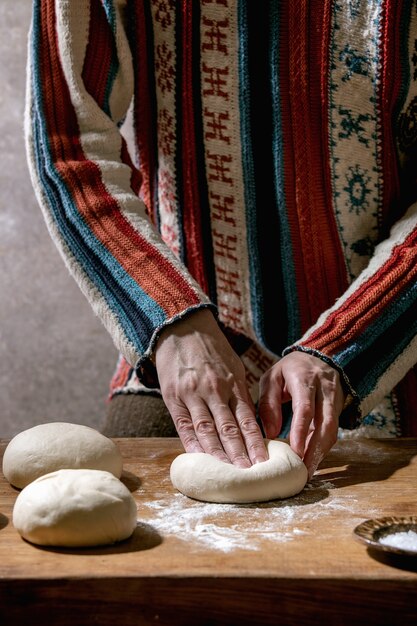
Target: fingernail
{"x": 260, "y": 459}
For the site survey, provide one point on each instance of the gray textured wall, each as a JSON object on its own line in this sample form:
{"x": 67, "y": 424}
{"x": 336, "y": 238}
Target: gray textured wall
{"x": 56, "y": 358}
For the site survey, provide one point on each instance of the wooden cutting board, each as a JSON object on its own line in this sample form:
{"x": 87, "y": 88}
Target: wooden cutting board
{"x": 284, "y": 562}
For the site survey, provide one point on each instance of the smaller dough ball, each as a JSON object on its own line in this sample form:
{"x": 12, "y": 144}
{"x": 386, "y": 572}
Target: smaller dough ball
{"x": 58, "y": 445}
{"x": 203, "y": 477}
{"x": 75, "y": 508}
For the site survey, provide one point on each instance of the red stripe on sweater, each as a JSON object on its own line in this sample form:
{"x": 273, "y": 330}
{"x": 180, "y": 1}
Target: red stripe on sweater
{"x": 320, "y": 271}
{"x": 144, "y": 122}
{"x": 142, "y": 261}
{"x": 289, "y": 165}
{"x": 98, "y": 55}
{"x": 191, "y": 198}
{"x": 353, "y": 317}
{"x": 361, "y": 309}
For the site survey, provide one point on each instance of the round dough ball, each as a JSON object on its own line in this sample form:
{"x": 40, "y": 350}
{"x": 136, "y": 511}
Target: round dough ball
{"x": 75, "y": 508}
{"x": 58, "y": 445}
{"x": 203, "y": 477}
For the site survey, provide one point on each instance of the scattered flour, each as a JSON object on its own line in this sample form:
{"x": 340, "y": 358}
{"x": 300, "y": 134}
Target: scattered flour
{"x": 366, "y": 431}
{"x": 209, "y": 525}
{"x": 359, "y": 446}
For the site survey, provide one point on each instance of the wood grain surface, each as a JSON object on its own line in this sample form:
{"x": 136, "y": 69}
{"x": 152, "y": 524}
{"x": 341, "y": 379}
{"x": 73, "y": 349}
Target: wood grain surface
{"x": 293, "y": 561}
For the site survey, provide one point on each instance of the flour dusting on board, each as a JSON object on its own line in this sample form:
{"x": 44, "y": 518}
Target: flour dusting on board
{"x": 275, "y": 521}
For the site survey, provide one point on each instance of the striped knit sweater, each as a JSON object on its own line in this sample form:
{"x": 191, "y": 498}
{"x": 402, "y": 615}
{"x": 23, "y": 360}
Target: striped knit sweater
{"x": 272, "y": 178}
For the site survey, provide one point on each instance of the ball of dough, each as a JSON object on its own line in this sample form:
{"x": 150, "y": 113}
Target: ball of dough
{"x": 203, "y": 477}
{"x": 58, "y": 445}
{"x": 75, "y": 508}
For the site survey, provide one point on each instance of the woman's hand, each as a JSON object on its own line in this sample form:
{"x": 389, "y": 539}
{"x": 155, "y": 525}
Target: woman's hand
{"x": 202, "y": 381}
{"x": 317, "y": 397}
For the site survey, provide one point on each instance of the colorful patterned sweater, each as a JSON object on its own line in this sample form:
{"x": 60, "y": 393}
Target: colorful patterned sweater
{"x": 272, "y": 178}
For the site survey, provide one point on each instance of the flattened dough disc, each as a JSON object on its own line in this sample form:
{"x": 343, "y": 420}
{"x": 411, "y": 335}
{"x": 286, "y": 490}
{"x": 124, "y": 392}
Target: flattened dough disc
{"x": 203, "y": 477}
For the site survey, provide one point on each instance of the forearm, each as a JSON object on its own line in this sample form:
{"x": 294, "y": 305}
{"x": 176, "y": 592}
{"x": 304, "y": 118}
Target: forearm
{"x": 370, "y": 332}
{"x": 84, "y": 186}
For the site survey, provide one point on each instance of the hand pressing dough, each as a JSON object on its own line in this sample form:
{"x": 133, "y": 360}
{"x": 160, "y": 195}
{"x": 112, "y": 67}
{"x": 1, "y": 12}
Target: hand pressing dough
{"x": 58, "y": 445}
{"x": 203, "y": 477}
{"x": 75, "y": 508}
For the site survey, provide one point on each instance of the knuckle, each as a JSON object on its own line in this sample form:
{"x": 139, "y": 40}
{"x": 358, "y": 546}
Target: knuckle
{"x": 188, "y": 382}
{"x": 183, "y": 424}
{"x": 249, "y": 426}
{"x": 218, "y": 386}
{"x": 256, "y": 447}
{"x": 229, "y": 430}
{"x": 203, "y": 426}
{"x": 330, "y": 387}
{"x": 186, "y": 432}
{"x": 187, "y": 440}
{"x": 214, "y": 386}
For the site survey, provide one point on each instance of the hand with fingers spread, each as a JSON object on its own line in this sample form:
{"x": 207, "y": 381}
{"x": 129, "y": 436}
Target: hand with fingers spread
{"x": 202, "y": 381}
{"x": 317, "y": 398}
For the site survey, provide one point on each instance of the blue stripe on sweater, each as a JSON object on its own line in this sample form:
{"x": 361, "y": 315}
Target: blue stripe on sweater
{"x": 90, "y": 255}
{"x": 116, "y": 286}
{"x": 291, "y": 296}
{"x": 367, "y": 359}
{"x": 248, "y": 176}
{"x": 386, "y": 320}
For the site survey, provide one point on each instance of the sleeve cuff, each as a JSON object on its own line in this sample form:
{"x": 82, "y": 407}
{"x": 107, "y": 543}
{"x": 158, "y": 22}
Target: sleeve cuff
{"x": 351, "y": 413}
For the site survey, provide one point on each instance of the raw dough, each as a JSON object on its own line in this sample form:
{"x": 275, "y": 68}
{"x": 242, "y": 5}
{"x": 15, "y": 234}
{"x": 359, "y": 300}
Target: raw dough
{"x": 58, "y": 445}
{"x": 203, "y": 477}
{"x": 75, "y": 508}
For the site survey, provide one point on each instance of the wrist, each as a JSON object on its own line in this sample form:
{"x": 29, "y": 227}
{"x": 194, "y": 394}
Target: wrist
{"x": 197, "y": 320}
